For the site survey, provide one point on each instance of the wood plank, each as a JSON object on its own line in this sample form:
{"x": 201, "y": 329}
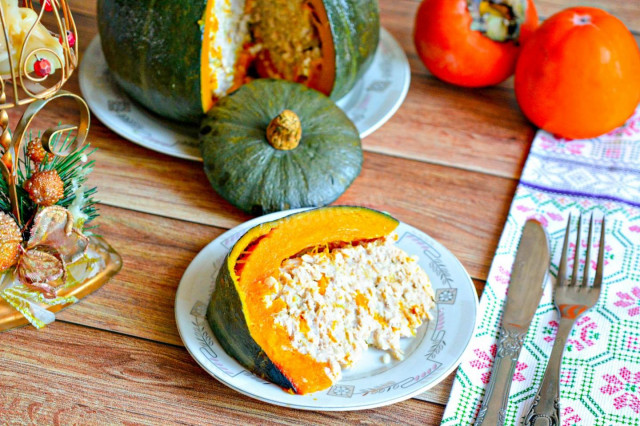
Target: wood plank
{"x": 439, "y": 394}
{"x": 139, "y": 301}
{"x": 76, "y": 375}
{"x": 628, "y": 11}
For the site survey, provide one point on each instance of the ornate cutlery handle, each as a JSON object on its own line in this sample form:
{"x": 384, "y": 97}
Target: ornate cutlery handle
{"x": 494, "y": 405}
{"x": 545, "y": 410}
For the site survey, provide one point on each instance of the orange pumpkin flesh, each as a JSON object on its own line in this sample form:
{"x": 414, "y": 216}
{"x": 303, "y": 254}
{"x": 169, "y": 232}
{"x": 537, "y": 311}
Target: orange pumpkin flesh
{"x": 456, "y": 53}
{"x": 579, "y": 75}
{"x": 259, "y": 254}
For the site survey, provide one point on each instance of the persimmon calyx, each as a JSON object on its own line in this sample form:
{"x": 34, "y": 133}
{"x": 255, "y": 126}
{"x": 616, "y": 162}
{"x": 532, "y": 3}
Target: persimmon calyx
{"x": 500, "y": 20}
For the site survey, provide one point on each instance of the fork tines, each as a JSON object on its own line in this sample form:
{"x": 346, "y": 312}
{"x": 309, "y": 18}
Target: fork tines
{"x": 562, "y": 275}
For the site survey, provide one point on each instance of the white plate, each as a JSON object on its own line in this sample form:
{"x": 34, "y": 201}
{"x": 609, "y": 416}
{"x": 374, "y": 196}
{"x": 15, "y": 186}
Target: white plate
{"x": 429, "y": 357}
{"x": 372, "y": 101}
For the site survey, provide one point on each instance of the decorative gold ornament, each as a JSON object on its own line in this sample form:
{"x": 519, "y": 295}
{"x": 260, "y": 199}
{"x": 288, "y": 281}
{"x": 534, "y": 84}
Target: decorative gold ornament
{"x": 45, "y": 188}
{"x": 36, "y": 152}
{"x": 38, "y": 53}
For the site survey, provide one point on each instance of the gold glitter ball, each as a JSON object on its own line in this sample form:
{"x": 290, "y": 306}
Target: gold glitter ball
{"x": 36, "y": 152}
{"x": 45, "y": 188}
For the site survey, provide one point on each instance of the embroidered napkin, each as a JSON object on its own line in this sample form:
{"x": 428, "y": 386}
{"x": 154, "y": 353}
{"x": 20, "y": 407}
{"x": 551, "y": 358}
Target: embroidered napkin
{"x": 600, "y": 374}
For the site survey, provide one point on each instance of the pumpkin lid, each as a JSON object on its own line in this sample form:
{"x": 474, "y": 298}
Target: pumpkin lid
{"x": 274, "y": 145}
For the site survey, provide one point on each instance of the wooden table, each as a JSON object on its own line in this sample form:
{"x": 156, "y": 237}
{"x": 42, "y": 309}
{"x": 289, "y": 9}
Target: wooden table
{"x": 448, "y": 163}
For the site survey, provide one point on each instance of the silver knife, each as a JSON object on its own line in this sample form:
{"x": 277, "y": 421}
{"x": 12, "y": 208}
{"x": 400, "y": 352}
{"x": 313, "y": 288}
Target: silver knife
{"x": 525, "y": 290}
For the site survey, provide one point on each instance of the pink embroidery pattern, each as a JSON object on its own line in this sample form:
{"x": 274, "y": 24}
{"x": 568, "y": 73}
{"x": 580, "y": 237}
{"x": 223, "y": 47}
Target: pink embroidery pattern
{"x": 550, "y": 331}
{"x": 485, "y": 361}
{"x": 628, "y": 385}
{"x": 586, "y": 334}
{"x": 633, "y": 343}
{"x": 568, "y": 420}
{"x": 565, "y": 377}
{"x": 630, "y": 300}
{"x": 562, "y": 146}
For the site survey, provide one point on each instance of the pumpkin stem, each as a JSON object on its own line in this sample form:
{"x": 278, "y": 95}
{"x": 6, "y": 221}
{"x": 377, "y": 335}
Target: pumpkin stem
{"x": 284, "y": 131}
{"x": 500, "y": 20}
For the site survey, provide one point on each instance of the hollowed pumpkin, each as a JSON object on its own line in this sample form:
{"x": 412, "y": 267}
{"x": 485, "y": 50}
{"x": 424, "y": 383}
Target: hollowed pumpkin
{"x": 242, "y": 323}
{"x": 275, "y": 145}
{"x": 178, "y": 57}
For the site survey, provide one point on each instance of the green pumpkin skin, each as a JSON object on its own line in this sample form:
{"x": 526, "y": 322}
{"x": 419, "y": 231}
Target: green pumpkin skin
{"x": 153, "y": 49}
{"x": 225, "y": 316}
{"x": 355, "y": 26}
{"x": 252, "y": 175}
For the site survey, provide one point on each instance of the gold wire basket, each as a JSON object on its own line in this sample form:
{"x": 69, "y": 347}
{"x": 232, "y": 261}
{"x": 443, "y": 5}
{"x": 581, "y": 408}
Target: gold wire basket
{"x": 38, "y": 54}
{"x": 18, "y": 71}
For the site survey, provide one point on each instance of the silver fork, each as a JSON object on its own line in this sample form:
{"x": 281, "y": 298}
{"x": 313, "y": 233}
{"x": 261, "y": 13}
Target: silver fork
{"x": 571, "y": 299}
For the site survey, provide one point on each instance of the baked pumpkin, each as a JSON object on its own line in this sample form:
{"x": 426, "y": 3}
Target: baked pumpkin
{"x": 274, "y": 145}
{"x": 245, "y": 305}
{"x": 178, "y": 57}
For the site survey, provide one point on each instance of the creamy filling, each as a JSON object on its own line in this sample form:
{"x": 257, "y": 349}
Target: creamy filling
{"x": 338, "y": 301}
{"x": 228, "y": 30}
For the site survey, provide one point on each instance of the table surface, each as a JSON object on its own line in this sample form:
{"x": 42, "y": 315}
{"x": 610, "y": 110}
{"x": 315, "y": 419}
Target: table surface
{"x": 448, "y": 163}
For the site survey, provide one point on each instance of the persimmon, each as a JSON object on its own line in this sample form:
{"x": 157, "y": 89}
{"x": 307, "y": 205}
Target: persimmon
{"x": 579, "y": 74}
{"x": 473, "y": 43}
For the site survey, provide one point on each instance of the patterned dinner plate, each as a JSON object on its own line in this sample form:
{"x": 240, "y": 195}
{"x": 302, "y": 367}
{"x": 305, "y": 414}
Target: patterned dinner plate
{"x": 429, "y": 357}
{"x": 372, "y": 101}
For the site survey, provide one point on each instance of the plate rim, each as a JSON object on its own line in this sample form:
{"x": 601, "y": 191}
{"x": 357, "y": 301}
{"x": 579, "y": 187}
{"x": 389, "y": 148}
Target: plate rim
{"x": 256, "y": 395}
{"x": 114, "y": 124}
{"x": 405, "y": 88}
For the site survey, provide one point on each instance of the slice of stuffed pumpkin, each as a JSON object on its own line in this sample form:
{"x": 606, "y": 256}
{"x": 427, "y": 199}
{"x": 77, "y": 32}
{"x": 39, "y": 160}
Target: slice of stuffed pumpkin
{"x": 275, "y": 145}
{"x": 245, "y": 326}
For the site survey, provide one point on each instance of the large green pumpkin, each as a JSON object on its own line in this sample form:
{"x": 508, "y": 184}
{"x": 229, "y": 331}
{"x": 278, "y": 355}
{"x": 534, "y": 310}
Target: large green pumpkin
{"x": 178, "y": 57}
{"x": 250, "y": 154}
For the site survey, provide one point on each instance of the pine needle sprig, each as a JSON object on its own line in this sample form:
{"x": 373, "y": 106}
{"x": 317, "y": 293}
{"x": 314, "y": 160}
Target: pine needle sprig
{"x": 73, "y": 169}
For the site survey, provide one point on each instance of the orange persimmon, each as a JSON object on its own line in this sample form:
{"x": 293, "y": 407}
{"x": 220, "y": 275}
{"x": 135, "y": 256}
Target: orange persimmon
{"x": 579, "y": 74}
{"x": 473, "y": 43}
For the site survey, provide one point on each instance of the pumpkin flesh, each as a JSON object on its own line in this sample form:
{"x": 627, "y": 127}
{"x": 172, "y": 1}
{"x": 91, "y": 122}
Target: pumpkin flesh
{"x": 258, "y": 255}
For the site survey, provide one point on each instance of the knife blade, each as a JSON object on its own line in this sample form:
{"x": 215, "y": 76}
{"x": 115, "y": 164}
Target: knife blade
{"x": 525, "y": 290}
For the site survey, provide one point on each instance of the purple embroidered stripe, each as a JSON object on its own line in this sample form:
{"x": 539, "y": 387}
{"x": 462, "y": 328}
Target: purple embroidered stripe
{"x": 579, "y": 194}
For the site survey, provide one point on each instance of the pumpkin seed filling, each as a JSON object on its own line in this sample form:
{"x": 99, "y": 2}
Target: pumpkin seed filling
{"x": 343, "y": 298}
{"x": 287, "y": 39}
{"x": 246, "y": 39}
